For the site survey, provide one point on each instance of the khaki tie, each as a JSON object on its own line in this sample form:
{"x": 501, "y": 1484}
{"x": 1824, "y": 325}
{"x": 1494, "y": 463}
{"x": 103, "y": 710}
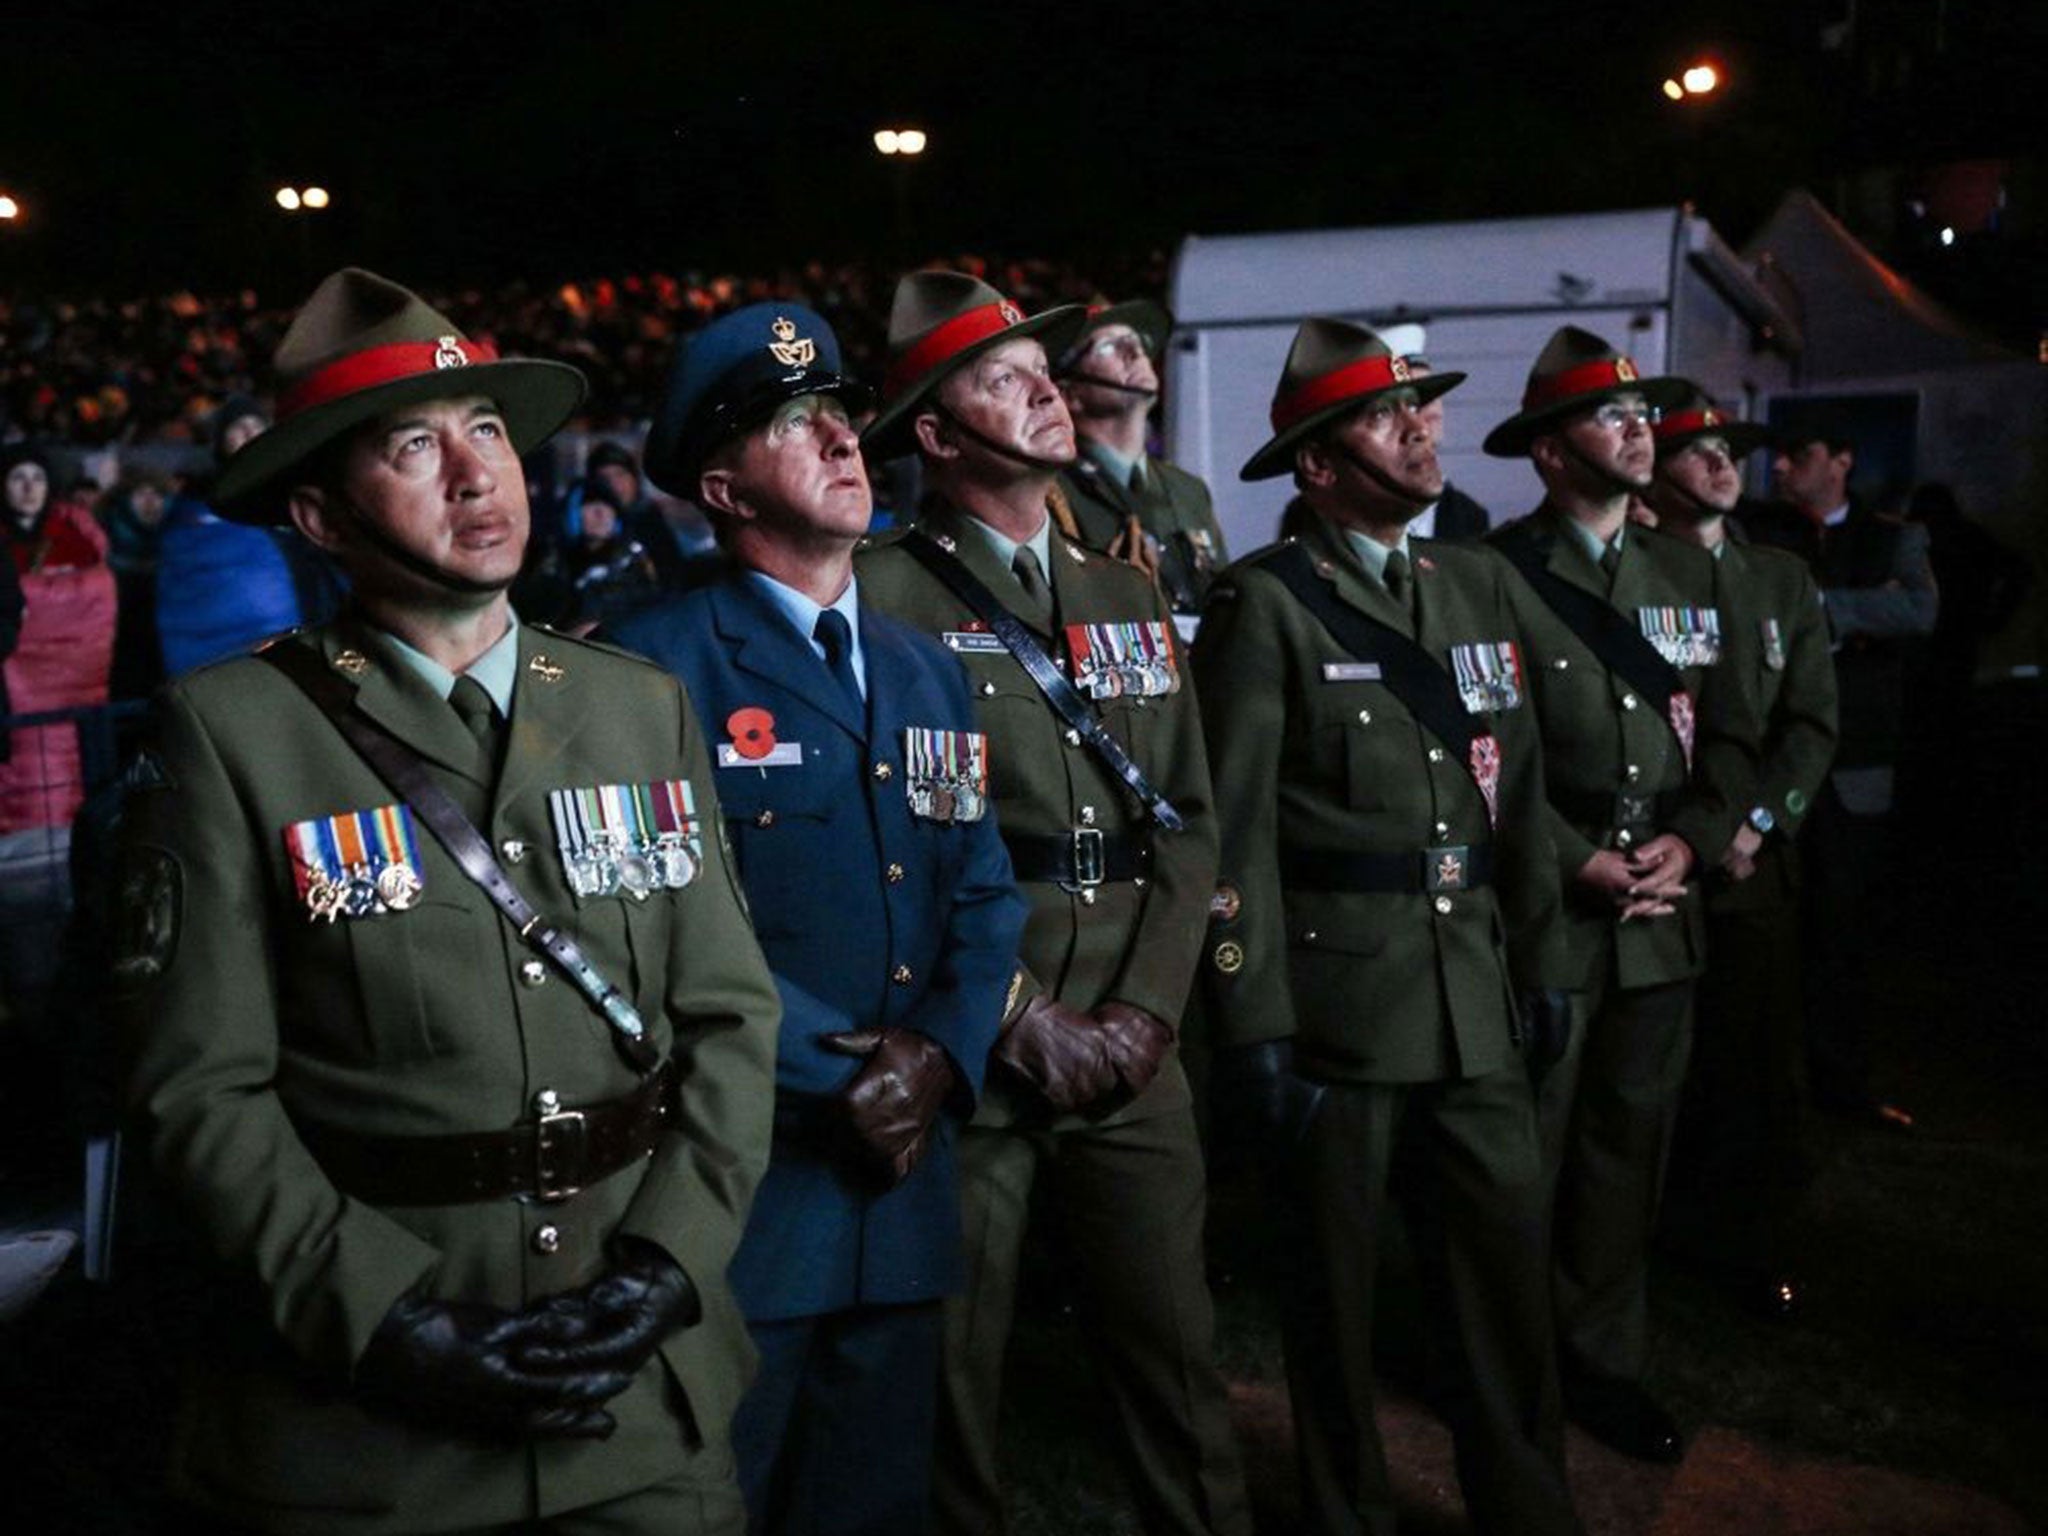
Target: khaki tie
{"x": 1400, "y": 586}
{"x": 1031, "y": 577}
{"x": 1610, "y": 562}
{"x": 472, "y": 705}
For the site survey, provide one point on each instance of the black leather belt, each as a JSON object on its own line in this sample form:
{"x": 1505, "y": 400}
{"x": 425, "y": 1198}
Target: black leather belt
{"x": 550, "y": 1157}
{"x": 1083, "y": 857}
{"x": 1447, "y": 867}
{"x": 1630, "y": 809}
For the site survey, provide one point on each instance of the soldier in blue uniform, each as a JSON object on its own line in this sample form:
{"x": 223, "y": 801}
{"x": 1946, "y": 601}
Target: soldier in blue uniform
{"x": 855, "y": 788}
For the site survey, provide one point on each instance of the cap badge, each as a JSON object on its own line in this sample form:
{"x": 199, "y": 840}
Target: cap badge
{"x": 1624, "y": 371}
{"x": 448, "y": 353}
{"x": 1398, "y": 367}
{"x": 788, "y": 348}
{"x": 354, "y": 663}
{"x": 1011, "y": 314}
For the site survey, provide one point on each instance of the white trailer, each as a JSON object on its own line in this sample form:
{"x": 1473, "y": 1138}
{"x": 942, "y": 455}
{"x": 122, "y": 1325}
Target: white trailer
{"x": 1659, "y": 283}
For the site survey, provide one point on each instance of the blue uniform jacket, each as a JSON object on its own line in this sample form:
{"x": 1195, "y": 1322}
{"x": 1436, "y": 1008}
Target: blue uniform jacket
{"x": 868, "y": 914}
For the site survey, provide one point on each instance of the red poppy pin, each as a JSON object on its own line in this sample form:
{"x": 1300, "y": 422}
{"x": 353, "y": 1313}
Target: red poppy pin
{"x": 752, "y": 730}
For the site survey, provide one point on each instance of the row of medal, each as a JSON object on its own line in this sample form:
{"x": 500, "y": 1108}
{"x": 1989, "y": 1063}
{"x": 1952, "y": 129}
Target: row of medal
{"x": 1685, "y": 637}
{"x": 357, "y": 864}
{"x": 946, "y": 773}
{"x": 1119, "y": 660}
{"x": 628, "y": 839}
{"x": 1489, "y": 674}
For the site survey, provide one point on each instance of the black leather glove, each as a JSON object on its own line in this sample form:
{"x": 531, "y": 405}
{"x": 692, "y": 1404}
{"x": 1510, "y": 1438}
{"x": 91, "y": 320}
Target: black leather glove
{"x": 892, "y": 1100}
{"x": 459, "y": 1365}
{"x": 1262, "y": 1104}
{"x": 1060, "y": 1051}
{"x": 1138, "y": 1042}
{"x": 613, "y": 1324}
{"x": 1546, "y": 1029}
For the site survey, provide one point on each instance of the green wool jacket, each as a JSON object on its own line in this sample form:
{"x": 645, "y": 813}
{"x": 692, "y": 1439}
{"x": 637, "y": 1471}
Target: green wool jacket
{"x": 1600, "y": 740}
{"x": 1174, "y": 508}
{"x": 1377, "y": 986}
{"x": 246, "y": 1021}
{"x": 1777, "y": 634}
{"x": 1135, "y": 941}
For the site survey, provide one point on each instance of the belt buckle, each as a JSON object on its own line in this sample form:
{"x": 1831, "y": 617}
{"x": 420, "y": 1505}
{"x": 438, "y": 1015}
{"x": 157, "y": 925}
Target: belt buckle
{"x": 1088, "y": 856}
{"x": 560, "y": 1144}
{"x": 1447, "y": 868}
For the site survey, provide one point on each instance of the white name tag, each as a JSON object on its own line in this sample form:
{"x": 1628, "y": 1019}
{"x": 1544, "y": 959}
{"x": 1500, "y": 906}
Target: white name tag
{"x": 784, "y": 754}
{"x": 972, "y": 640}
{"x": 1351, "y": 671}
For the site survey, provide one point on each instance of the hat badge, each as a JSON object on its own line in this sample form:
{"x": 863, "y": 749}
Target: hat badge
{"x": 1398, "y": 367}
{"x": 1624, "y": 371}
{"x": 1011, "y": 314}
{"x": 448, "y": 353}
{"x": 789, "y": 349}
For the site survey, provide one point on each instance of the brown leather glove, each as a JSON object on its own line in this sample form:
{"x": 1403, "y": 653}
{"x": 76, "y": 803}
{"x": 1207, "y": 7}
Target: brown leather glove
{"x": 1138, "y": 1042}
{"x": 892, "y": 1100}
{"x": 1060, "y": 1051}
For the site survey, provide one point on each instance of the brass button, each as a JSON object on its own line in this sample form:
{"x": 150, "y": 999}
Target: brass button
{"x": 1138, "y": 881}
{"x": 1443, "y": 829}
{"x": 1073, "y": 738}
{"x": 1087, "y": 815}
{"x": 1561, "y": 663}
{"x": 902, "y": 976}
{"x": 1628, "y": 701}
{"x": 547, "y": 1239}
{"x": 1624, "y": 838}
{"x": 765, "y": 819}
{"x": 1365, "y": 717}
{"x": 1443, "y": 906}
{"x": 1087, "y": 895}
{"x": 1436, "y": 754}
{"x": 547, "y": 1102}
{"x": 513, "y": 849}
{"x": 883, "y": 772}
{"x": 1633, "y": 773}
{"x": 532, "y": 972}
{"x": 1310, "y": 936}
{"x": 894, "y": 874}
{"x": 988, "y": 690}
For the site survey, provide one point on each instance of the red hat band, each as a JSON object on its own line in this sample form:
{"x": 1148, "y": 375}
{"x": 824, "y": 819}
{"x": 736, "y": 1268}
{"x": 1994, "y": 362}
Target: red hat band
{"x": 1604, "y": 373}
{"x": 374, "y": 366}
{"x": 943, "y": 341}
{"x": 1684, "y": 423}
{"x": 1364, "y": 377}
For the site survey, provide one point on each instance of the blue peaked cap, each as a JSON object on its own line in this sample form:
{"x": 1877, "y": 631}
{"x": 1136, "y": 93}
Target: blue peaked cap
{"x": 729, "y": 376}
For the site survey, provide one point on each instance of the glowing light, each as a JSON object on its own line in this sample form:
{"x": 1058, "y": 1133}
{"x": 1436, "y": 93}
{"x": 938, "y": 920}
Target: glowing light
{"x": 886, "y": 140}
{"x": 1674, "y": 90}
{"x": 9, "y": 208}
{"x": 1948, "y": 235}
{"x": 288, "y": 199}
{"x": 1700, "y": 79}
{"x": 900, "y": 141}
{"x": 314, "y": 197}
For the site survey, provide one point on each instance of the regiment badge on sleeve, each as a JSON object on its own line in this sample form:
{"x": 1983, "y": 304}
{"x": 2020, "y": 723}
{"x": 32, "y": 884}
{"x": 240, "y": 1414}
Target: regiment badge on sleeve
{"x": 1685, "y": 637}
{"x": 628, "y": 839}
{"x": 945, "y": 773}
{"x": 357, "y": 864}
{"x": 1118, "y": 660}
{"x": 1489, "y": 675}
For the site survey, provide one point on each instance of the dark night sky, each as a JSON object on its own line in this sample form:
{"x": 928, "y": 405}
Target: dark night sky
{"x": 465, "y": 139}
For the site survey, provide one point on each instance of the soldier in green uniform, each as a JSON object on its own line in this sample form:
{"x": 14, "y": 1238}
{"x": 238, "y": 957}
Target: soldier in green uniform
{"x": 1125, "y": 501}
{"x": 1740, "y": 1140}
{"x": 1387, "y": 926}
{"x": 472, "y": 1184}
{"x": 1100, "y": 783}
{"x": 1622, "y": 637}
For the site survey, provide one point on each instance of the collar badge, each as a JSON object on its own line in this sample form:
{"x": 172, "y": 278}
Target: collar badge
{"x": 544, "y": 669}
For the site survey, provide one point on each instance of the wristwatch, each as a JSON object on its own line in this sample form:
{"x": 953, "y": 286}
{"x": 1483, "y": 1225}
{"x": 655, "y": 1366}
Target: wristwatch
{"x": 1761, "y": 819}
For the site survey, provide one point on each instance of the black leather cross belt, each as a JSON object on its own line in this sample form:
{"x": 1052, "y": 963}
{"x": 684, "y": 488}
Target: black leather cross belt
{"x": 550, "y": 1157}
{"x": 1448, "y": 867}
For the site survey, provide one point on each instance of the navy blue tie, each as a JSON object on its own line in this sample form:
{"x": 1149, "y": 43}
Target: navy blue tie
{"x": 836, "y": 635}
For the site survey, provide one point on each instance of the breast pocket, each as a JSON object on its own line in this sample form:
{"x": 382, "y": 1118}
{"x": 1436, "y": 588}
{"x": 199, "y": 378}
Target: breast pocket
{"x": 405, "y": 964}
{"x": 779, "y": 821}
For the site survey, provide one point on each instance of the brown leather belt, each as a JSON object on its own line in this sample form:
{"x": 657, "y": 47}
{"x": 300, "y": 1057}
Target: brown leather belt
{"x": 550, "y": 1157}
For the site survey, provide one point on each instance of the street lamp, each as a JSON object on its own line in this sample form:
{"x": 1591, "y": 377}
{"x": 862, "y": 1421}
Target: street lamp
{"x": 9, "y": 208}
{"x": 293, "y": 199}
{"x": 900, "y": 141}
{"x": 1700, "y": 79}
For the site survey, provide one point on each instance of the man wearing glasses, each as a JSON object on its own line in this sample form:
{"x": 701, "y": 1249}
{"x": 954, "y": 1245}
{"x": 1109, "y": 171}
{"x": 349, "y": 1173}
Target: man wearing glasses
{"x": 1153, "y": 514}
{"x": 1645, "y": 757}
